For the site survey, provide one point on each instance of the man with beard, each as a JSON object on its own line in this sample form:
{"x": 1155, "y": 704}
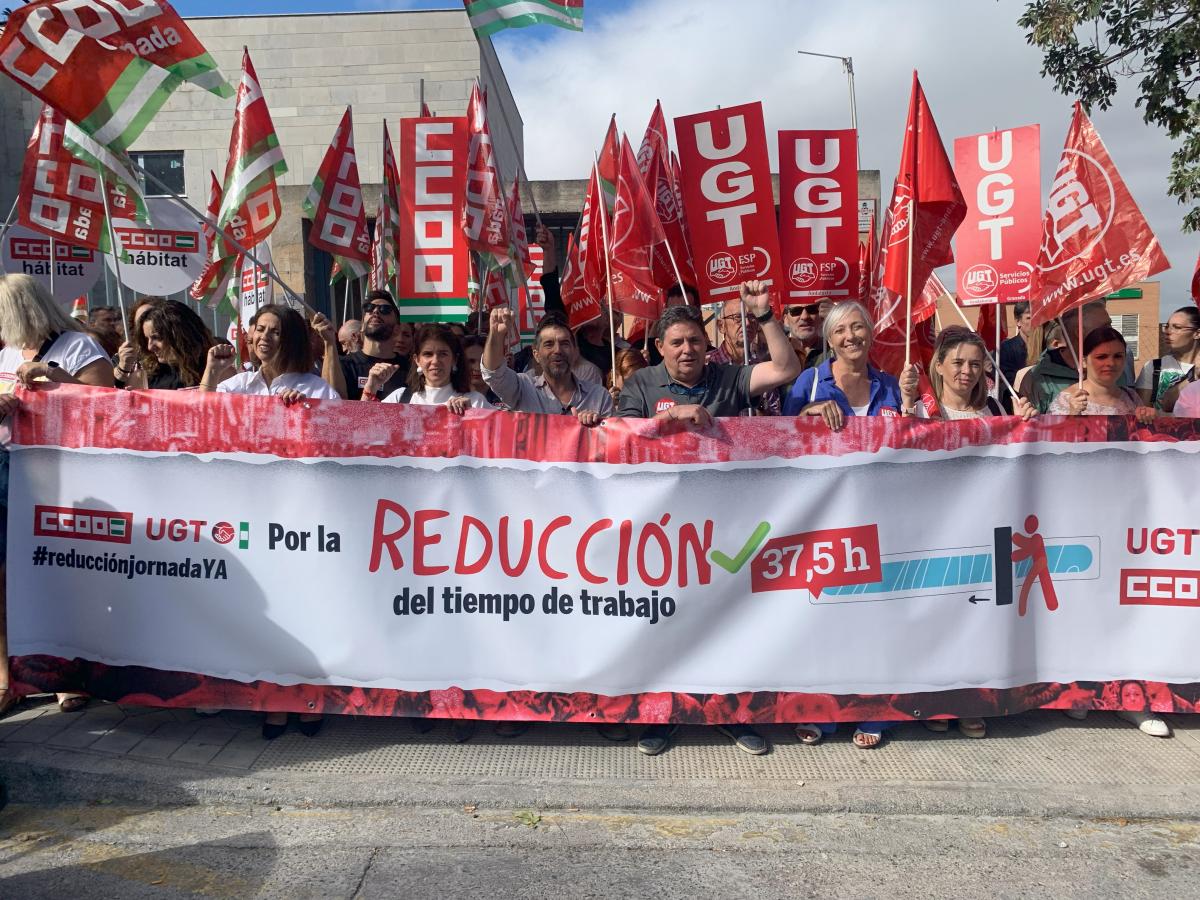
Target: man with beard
{"x": 376, "y": 370}
{"x": 803, "y": 324}
{"x": 556, "y": 390}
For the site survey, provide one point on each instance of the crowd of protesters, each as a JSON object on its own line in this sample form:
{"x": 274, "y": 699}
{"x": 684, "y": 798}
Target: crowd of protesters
{"x": 815, "y": 362}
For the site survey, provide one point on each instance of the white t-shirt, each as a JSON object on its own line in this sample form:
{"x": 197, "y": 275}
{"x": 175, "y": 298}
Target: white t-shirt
{"x": 72, "y": 350}
{"x": 438, "y": 397}
{"x": 311, "y": 386}
{"x": 1171, "y": 372}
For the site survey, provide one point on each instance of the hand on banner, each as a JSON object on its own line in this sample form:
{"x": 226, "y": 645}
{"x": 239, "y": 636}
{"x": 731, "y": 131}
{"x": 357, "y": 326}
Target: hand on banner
{"x": 691, "y": 414}
{"x": 588, "y": 418}
{"x": 756, "y": 295}
{"x": 290, "y": 397}
{"x": 458, "y": 405}
{"x": 324, "y": 329}
{"x": 545, "y": 238}
{"x": 8, "y": 405}
{"x": 30, "y": 372}
{"x": 829, "y": 411}
{"x": 380, "y": 374}
{"x": 910, "y": 379}
{"x": 1024, "y": 409}
{"x": 1145, "y": 414}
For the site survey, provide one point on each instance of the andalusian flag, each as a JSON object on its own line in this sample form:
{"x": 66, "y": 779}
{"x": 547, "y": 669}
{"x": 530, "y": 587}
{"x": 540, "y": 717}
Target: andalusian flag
{"x": 490, "y": 16}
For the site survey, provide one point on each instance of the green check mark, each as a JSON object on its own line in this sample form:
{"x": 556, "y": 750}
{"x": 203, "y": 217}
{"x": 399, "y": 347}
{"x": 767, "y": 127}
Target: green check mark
{"x": 733, "y": 566}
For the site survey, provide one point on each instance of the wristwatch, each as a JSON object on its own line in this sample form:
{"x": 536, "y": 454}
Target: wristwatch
{"x": 764, "y": 318}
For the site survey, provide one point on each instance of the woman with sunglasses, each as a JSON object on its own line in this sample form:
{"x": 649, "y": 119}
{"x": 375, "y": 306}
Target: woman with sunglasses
{"x": 377, "y": 369}
{"x": 1161, "y": 380}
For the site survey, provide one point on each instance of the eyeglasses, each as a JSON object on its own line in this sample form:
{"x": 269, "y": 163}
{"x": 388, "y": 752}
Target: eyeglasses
{"x": 1178, "y": 328}
{"x": 736, "y": 317}
{"x": 383, "y": 309}
{"x": 812, "y": 309}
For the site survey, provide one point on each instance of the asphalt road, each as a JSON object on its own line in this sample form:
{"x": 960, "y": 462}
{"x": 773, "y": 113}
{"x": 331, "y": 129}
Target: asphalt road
{"x": 121, "y": 851}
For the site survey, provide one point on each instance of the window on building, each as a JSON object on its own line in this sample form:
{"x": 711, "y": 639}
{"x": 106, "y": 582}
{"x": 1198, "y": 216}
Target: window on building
{"x": 166, "y": 166}
{"x": 1128, "y": 326}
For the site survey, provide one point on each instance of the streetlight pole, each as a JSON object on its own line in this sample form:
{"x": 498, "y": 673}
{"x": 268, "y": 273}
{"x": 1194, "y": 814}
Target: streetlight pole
{"x": 848, "y": 67}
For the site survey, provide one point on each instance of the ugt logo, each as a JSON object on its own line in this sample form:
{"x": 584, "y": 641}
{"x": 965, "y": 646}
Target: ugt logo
{"x": 1079, "y": 211}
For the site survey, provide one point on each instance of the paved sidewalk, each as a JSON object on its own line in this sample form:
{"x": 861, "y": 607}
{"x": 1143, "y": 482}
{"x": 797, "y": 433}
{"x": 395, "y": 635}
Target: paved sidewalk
{"x": 1039, "y": 763}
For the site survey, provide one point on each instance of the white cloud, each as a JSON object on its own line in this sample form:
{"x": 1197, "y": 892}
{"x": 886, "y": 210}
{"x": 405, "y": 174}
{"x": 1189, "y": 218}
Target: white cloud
{"x": 977, "y": 71}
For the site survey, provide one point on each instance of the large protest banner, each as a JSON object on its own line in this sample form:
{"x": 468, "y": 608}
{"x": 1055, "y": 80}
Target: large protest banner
{"x": 997, "y": 243}
{"x": 345, "y": 557}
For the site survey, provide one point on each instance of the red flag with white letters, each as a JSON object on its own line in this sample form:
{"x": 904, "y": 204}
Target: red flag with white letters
{"x": 1095, "y": 240}
{"x": 593, "y": 268}
{"x": 654, "y": 162}
{"x": 485, "y": 217}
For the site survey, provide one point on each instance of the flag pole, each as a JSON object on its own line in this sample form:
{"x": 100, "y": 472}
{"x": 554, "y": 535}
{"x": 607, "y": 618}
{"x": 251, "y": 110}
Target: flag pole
{"x": 345, "y": 300}
{"x": 8, "y": 220}
{"x": 53, "y": 261}
{"x": 612, "y": 335}
{"x": 211, "y": 221}
{"x": 912, "y": 212}
{"x": 962, "y": 315}
{"x": 116, "y": 248}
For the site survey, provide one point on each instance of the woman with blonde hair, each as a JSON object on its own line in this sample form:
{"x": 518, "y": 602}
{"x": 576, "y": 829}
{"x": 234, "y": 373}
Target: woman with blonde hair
{"x": 41, "y": 343}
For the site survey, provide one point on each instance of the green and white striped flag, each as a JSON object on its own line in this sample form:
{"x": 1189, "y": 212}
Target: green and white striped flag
{"x": 490, "y": 16}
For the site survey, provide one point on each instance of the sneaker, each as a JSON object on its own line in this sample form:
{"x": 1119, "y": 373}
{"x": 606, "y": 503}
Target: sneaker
{"x": 655, "y": 739}
{"x": 613, "y": 731}
{"x": 1077, "y": 714}
{"x": 511, "y": 729}
{"x": 1146, "y": 722}
{"x": 462, "y": 730}
{"x": 745, "y": 738}
{"x": 421, "y": 725}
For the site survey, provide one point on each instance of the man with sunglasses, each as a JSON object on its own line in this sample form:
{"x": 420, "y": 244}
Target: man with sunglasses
{"x": 376, "y": 370}
{"x": 803, "y": 324}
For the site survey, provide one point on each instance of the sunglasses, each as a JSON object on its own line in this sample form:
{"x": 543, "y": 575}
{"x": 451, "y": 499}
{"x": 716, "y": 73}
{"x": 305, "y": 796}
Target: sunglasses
{"x": 383, "y": 309}
{"x": 812, "y": 309}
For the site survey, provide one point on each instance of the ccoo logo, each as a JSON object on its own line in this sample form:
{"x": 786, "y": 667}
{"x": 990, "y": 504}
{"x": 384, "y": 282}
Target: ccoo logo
{"x": 1078, "y": 212}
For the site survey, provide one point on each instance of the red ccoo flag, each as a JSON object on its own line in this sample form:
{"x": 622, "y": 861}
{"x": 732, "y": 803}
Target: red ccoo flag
{"x": 485, "y": 216}
{"x": 335, "y": 204}
{"x": 1094, "y": 238}
{"x": 927, "y": 206}
{"x": 635, "y": 232}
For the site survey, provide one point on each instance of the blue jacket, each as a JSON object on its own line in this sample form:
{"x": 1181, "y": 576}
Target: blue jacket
{"x": 885, "y": 392}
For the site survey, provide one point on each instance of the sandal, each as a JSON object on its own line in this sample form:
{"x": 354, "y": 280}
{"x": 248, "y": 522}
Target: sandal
{"x": 72, "y": 703}
{"x": 972, "y": 728}
{"x": 809, "y": 734}
{"x": 867, "y": 740}
{"x": 937, "y": 726}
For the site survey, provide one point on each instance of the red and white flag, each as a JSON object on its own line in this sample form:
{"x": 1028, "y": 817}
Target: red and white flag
{"x": 593, "y": 272}
{"x": 335, "y": 203}
{"x": 997, "y": 244}
{"x": 60, "y": 195}
{"x": 926, "y": 209}
{"x": 250, "y": 194}
{"x": 1095, "y": 240}
{"x": 654, "y": 162}
{"x": 635, "y": 232}
{"x": 485, "y": 217}
{"x": 214, "y": 209}
{"x": 866, "y": 264}
{"x": 520, "y": 240}
{"x": 108, "y": 67}
{"x": 818, "y": 214}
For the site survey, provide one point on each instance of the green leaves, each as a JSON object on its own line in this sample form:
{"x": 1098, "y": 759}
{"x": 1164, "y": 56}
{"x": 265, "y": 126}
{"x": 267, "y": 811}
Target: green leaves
{"x": 1089, "y": 46}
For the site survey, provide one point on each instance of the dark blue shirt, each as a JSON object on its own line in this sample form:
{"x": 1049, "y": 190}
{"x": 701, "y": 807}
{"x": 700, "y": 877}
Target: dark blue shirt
{"x": 885, "y": 392}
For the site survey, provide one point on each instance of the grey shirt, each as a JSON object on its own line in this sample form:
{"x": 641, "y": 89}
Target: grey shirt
{"x": 530, "y": 393}
{"x": 724, "y": 391}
